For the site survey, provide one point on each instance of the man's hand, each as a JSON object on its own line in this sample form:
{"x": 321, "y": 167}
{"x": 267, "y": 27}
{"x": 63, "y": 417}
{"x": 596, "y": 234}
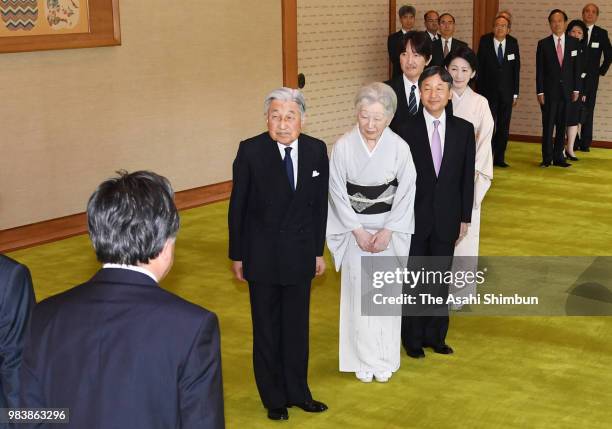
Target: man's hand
{"x": 381, "y": 240}
{"x": 319, "y": 265}
{"x": 462, "y": 232}
{"x": 541, "y": 99}
{"x": 364, "y": 239}
{"x": 514, "y": 102}
{"x": 575, "y": 96}
{"x": 237, "y": 270}
{"x": 584, "y": 98}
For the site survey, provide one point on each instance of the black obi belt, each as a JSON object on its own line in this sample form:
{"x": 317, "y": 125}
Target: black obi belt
{"x": 372, "y": 199}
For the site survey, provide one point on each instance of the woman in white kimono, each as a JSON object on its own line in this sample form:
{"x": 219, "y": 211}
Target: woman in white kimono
{"x": 474, "y": 108}
{"x": 371, "y": 212}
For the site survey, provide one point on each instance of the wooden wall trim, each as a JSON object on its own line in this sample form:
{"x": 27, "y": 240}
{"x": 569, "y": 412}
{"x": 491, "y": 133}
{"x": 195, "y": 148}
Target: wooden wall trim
{"x": 290, "y": 46}
{"x": 484, "y": 13}
{"x": 392, "y": 25}
{"x": 538, "y": 139}
{"x": 69, "y": 226}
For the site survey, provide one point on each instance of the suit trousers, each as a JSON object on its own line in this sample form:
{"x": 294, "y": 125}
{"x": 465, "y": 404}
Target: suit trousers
{"x": 586, "y": 132}
{"x": 420, "y": 331}
{"x": 501, "y": 109}
{"x": 554, "y": 117}
{"x": 280, "y": 315}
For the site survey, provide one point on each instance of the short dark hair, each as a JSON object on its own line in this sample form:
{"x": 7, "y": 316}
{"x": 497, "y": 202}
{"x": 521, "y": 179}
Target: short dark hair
{"x": 583, "y": 27}
{"x": 420, "y": 41}
{"x": 428, "y": 12}
{"x": 406, "y": 10}
{"x": 463, "y": 52}
{"x": 446, "y": 14}
{"x": 130, "y": 217}
{"x": 550, "y": 15}
{"x": 436, "y": 70}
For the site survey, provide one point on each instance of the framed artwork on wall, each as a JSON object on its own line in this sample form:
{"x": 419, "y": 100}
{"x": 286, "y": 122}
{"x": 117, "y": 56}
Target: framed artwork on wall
{"x": 36, "y": 25}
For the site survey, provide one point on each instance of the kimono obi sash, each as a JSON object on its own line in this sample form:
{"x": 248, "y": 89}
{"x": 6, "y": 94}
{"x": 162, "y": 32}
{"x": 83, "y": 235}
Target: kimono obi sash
{"x": 372, "y": 199}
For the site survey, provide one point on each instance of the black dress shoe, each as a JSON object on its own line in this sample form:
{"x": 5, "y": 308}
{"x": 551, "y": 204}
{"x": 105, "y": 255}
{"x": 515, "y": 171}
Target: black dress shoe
{"x": 585, "y": 149}
{"x": 443, "y": 349}
{"x": 562, "y": 164}
{"x": 415, "y": 353}
{"x": 311, "y": 406}
{"x": 544, "y": 164}
{"x": 278, "y": 414}
{"x": 501, "y": 164}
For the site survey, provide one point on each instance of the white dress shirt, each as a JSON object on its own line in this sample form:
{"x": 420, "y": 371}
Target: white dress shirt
{"x": 450, "y": 43}
{"x": 131, "y": 268}
{"x": 433, "y": 36}
{"x": 294, "y": 157}
{"x": 496, "y": 46}
{"x": 408, "y": 88}
{"x": 429, "y": 121}
{"x": 556, "y": 39}
{"x": 590, "y": 28}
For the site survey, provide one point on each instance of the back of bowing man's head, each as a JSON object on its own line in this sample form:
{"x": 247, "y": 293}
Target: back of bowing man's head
{"x": 132, "y": 220}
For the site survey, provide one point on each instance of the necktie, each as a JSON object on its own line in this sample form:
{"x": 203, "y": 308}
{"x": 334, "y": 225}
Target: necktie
{"x": 412, "y": 104}
{"x": 436, "y": 147}
{"x": 445, "y": 48}
{"x": 289, "y": 167}
{"x": 588, "y": 35}
{"x": 559, "y": 52}
{"x": 500, "y": 54}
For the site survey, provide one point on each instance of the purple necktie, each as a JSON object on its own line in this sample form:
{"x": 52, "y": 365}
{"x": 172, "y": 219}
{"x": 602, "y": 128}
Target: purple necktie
{"x": 436, "y": 147}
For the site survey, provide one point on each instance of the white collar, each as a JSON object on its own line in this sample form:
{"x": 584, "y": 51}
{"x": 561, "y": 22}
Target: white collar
{"x": 131, "y": 268}
{"x": 450, "y": 40}
{"x": 429, "y": 118}
{"x": 562, "y": 37}
{"x": 293, "y": 145}
{"x": 408, "y": 83}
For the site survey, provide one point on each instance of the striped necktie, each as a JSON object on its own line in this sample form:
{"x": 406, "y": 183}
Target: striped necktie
{"x": 412, "y": 104}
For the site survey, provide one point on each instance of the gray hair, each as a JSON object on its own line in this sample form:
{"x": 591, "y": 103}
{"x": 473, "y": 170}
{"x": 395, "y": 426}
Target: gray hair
{"x": 286, "y": 94}
{"x": 377, "y": 92}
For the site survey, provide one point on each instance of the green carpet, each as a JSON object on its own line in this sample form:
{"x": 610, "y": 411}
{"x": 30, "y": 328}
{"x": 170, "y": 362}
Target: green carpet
{"x": 507, "y": 372}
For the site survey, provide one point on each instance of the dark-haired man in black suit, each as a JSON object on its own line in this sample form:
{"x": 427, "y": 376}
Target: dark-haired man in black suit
{"x": 443, "y": 150}
{"x": 499, "y": 63}
{"x": 277, "y": 220}
{"x": 416, "y": 54}
{"x": 394, "y": 41}
{"x": 558, "y": 83}
{"x": 16, "y": 303}
{"x": 446, "y": 43}
{"x": 118, "y": 350}
{"x": 598, "y": 46}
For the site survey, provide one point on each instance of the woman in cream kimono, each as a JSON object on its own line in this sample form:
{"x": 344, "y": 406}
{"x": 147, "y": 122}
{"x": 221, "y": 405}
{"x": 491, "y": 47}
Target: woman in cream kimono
{"x": 474, "y": 108}
{"x": 371, "y": 212}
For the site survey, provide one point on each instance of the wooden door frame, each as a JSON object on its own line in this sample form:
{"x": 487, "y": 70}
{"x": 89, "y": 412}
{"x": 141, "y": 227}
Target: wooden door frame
{"x": 290, "y": 46}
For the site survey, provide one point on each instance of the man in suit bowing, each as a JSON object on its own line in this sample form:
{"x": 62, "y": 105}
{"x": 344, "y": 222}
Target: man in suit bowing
{"x": 598, "y": 46}
{"x": 277, "y": 220}
{"x": 394, "y": 41}
{"x": 446, "y": 43}
{"x": 118, "y": 350}
{"x": 416, "y": 54}
{"x": 558, "y": 83}
{"x": 499, "y": 62}
{"x": 443, "y": 149}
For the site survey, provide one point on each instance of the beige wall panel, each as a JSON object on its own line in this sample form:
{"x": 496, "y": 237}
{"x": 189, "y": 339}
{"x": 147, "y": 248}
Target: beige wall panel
{"x": 530, "y": 24}
{"x": 462, "y": 10}
{"x": 341, "y": 45}
{"x": 186, "y": 85}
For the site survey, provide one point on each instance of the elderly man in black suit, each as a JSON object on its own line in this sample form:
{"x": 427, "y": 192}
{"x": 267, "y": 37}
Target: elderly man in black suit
{"x": 499, "y": 62}
{"x": 118, "y": 350}
{"x": 557, "y": 82}
{"x": 598, "y": 46}
{"x": 446, "y": 43}
{"x": 430, "y": 19}
{"x": 394, "y": 41}
{"x": 16, "y": 303}
{"x": 443, "y": 149}
{"x": 277, "y": 220}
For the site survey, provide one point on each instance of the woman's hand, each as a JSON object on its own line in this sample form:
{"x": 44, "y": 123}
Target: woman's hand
{"x": 364, "y": 239}
{"x": 381, "y": 240}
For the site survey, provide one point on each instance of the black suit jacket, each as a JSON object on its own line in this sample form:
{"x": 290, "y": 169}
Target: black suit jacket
{"x": 594, "y": 66}
{"x": 401, "y": 113}
{"x": 394, "y": 48}
{"x": 442, "y": 203}
{"x": 437, "y": 50}
{"x": 275, "y": 232}
{"x": 121, "y": 352}
{"x": 495, "y": 81}
{"x": 16, "y": 303}
{"x": 555, "y": 82}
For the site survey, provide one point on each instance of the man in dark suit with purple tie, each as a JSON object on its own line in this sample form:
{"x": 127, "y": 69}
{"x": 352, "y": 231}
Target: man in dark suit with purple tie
{"x": 118, "y": 350}
{"x": 558, "y": 83}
